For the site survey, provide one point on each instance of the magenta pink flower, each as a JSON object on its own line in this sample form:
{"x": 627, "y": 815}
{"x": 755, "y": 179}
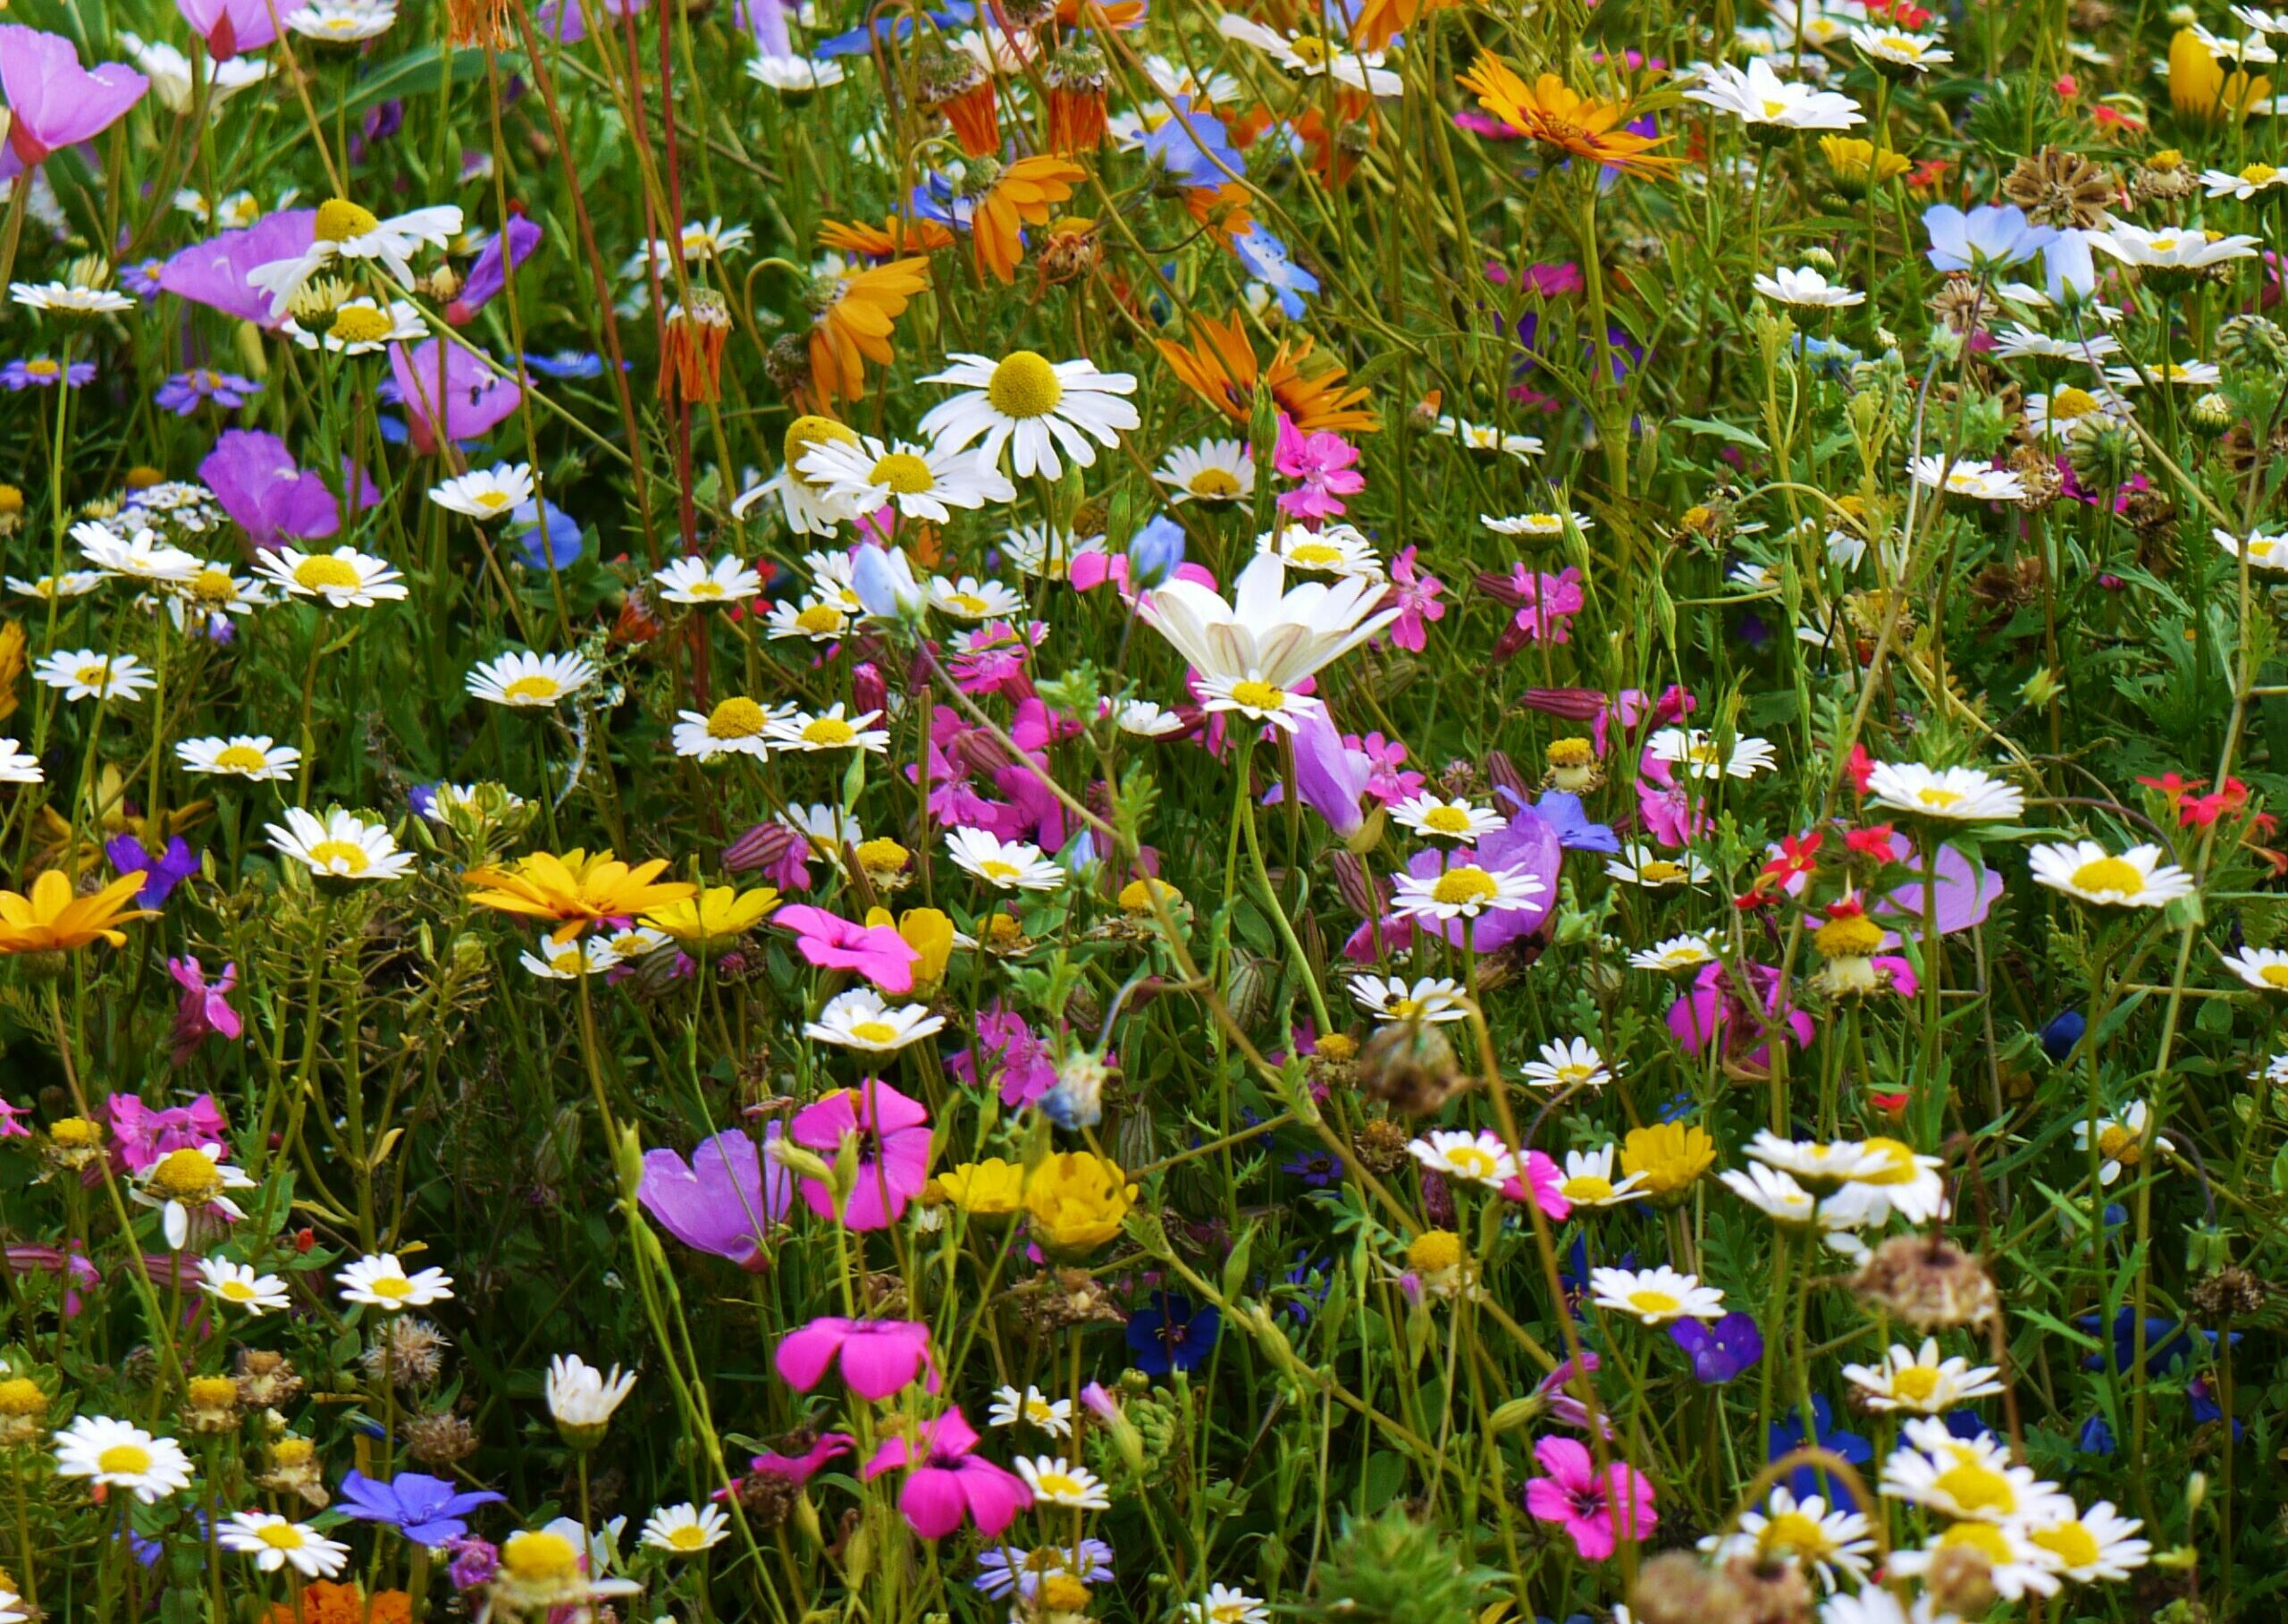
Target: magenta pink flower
{"x": 877, "y": 951}
{"x": 205, "y": 1009}
{"x": 53, "y": 100}
{"x": 1324, "y": 463}
{"x": 1594, "y": 1509}
{"x": 141, "y": 1135}
{"x": 230, "y": 26}
{"x": 1416, "y": 597}
{"x": 796, "y": 1469}
{"x": 445, "y": 385}
{"x": 878, "y": 1357}
{"x": 893, "y": 1135}
{"x": 1546, "y": 605}
{"x": 12, "y": 1121}
{"x": 1546, "y": 1178}
{"x": 1008, "y": 1053}
{"x": 945, "y": 1484}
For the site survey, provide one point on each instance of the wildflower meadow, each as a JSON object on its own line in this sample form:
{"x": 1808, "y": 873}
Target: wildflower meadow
{"x": 1095, "y": 812}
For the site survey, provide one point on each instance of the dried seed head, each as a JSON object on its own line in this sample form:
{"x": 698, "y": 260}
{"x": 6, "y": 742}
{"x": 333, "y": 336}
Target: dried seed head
{"x": 1927, "y": 1281}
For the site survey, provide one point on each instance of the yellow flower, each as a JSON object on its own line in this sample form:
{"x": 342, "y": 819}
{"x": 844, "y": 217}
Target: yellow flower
{"x": 1858, "y": 167}
{"x": 708, "y": 922}
{"x": 56, "y": 919}
{"x": 576, "y": 889}
{"x": 12, "y": 665}
{"x": 1550, "y": 112}
{"x": 2200, "y": 88}
{"x": 1076, "y": 1200}
{"x": 1433, "y": 1251}
{"x": 929, "y": 933}
{"x": 1136, "y": 897}
{"x": 989, "y": 1189}
{"x": 1670, "y": 1154}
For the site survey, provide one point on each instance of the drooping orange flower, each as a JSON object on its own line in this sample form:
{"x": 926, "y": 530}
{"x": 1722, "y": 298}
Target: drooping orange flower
{"x": 1552, "y": 113}
{"x": 575, "y": 890}
{"x": 56, "y": 919}
{"x": 1380, "y": 20}
{"x": 957, "y": 86}
{"x": 1077, "y": 80}
{"x": 896, "y": 237}
{"x": 1219, "y": 365}
{"x": 1024, "y": 193}
{"x": 856, "y": 312}
{"x": 691, "y": 357}
{"x": 1221, "y": 209}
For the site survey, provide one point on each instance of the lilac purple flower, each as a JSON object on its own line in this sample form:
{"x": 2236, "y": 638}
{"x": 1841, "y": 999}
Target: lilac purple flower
{"x": 186, "y": 391}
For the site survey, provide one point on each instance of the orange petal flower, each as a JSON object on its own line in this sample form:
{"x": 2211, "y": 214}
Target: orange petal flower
{"x": 853, "y": 327}
{"x": 1552, "y": 113}
{"x": 1022, "y": 194}
{"x": 893, "y": 238}
{"x": 1219, "y": 365}
{"x": 576, "y": 889}
{"x": 1379, "y": 20}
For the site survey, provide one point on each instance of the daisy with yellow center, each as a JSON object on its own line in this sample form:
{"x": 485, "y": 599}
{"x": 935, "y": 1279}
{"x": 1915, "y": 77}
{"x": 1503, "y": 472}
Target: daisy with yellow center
{"x": 735, "y": 726}
{"x": 694, "y": 581}
{"x": 821, "y": 618}
{"x": 970, "y": 599}
{"x": 2011, "y": 1563}
{"x": 2095, "y": 1545}
{"x": 1973, "y": 1479}
{"x": 486, "y": 494}
{"x": 379, "y": 1281}
{"x": 255, "y": 757}
{"x": 1568, "y": 1062}
{"x": 1338, "y": 550}
{"x": 1804, "y": 1532}
{"x": 1003, "y": 864}
{"x": 1675, "y": 954}
{"x": 344, "y": 578}
{"x": 1033, "y": 407}
{"x": 556, "y": 961}
{"x": 2266, "y": 968}
{"x": 1441, "y": 819}
{"x": 529, "y": 681}
{"x": 1921, "y": 1381}
{"x": 120, "y": 1455}
{"x": 686, "y": 1529}
{"x": 1432, "y": 1000}
{"x": 1216, "y": 472}
{"x": 1464, "y": 890}
{"x": 859, "y": 1019}
{"x": 1655, "y": 1296}
{"x": 275, "y": 1542}
{"x": 1473, "y": 1158}
{"x": 2121, "y": 1142}
{"x": 187, "y": 1180}
{"x": 240, "y": 1285}
{"x": 1056, "y": 1481}
{"x": 85, "y": 674}
{"x": 924, "y": 482}
{"x": 1589, "y": 1180}
{"x": 2264, "y": 551}
{"x": 340, "y": 846}
{"x": 1639, "y": 864}
{"x": 2084, "y": 870}
{"x": 1032, "y": 1407}
{"x": 829, "y": 730}
{"x": 1951, "y": 795}
{"x": 344, "y": 229}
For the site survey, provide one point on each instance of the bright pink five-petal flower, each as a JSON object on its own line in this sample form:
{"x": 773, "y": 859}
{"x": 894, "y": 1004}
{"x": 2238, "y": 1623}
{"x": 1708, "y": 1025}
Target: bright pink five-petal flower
{"x": 52, "y": 101}
{"x": 1594, "y": 1508}
{"x": 878, "y": 1357}
{"x": 877, "y": 951}
{"x": 893, "y": 1135}
{"x": 945, "y": 1484}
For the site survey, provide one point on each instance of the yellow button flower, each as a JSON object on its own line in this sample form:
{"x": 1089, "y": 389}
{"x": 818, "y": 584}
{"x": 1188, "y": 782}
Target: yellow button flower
{"x": 1076, "y": 1200}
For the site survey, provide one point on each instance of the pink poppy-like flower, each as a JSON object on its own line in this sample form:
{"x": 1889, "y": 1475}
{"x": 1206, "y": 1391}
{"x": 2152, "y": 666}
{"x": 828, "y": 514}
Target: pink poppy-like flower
{"x": 945, "y": 1484}
{"x": 1545, "y": 1177}
{"x": 1596, "y": 1509}
{"x": 1716, "y": 1012}
{"x": 893, "y": 1135}
{"x": 1416, "y": 597}
{"x": 54, "y": 101}
{"x": 877, "y": 1357}
{"x": 877, "y": 951}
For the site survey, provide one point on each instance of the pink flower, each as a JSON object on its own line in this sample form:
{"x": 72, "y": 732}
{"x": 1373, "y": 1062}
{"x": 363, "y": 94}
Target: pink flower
{"x": 877, "y": 951}
{"x": 893, "y": 1135}
{"x": 230, "y": 26}
{"x": 878, "y": 1357}
{"x": 1594, "y": 1509}
{"x": 1416, "y": 597}
{"x": 1007, "y": 1053}
{"x": 945, "y": 1482}
{"x": 1546, "y": 1178}
{"x": 54, "y": 101}
{"x": 205, "y": 1009}
{"x": 1324, "y": 463}
{"x": 12, "y": 1121}
{"x": 141, "y": 1136}
{"x": 1546, "y": 605}
{"x": 792, "y": 1468}
{"x": 1390, "y": 782}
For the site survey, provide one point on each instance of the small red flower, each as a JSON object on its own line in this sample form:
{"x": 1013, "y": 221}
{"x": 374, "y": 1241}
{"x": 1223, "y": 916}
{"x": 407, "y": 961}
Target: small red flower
{"x": 1875, "y": 843}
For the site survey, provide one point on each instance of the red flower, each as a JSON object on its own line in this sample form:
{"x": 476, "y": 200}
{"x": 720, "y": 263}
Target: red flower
{"x": 1875, "y": 843}
{"x": 1861, "y": 767}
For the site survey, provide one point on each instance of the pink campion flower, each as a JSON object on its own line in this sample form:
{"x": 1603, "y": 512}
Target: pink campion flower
{"x": 1564, "y": 1409}
{"x": 1007, "y": 1053}
{"x": 1664, "y": 808}
{"x": 142, "y": 1134}
{"x": 54, "y": 101}
{"x": 205, "y": 1009}
{"x": 230, "y": 26}
{"x": 946, "y": 1484}
{"x": 796, "y": 1469}
{"x": 1716, "y": 1011}
{"x": 893, "y": 1135}
{"x": 1596, "y": 1509}
{"x": 445, "y": 384}
{"x": 877, "y": 1357}
{"x": 1417, "y": 596}
{"x": 1545, "y": 1177}
{"x": 1671, "y": 705}
{"x": 1390, "y": 781}
{"x": 1546, "y": 605}
{"x": 1324, "y": 463}
{"x": 991, "y": 658}
{"x": 12, "y": 1121}
{"x": 877, "y": 951}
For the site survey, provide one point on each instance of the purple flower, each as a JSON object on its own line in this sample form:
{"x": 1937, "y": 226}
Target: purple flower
{"x": 474, "y": 1561}
{"x": 161, "y": 873}
{"x": 1317, "y": 1168}
{"x": 53, "y": 100}
{"x": 1529, "y": 842}
{"x": 213, "y": 272}
{"x": 142, "y": 1134}
{"x": 428, "y": 1510}
{"x": 205, "y": 1009}
{"x": 186, "y": 391}
{"x": 490, "y": 274}
{"x": 721, "y": 1201}
{"x": 1719, "y": 1351}
{"x": 12, "y": 1121}
{"x": 1011, "y": 1056}
{"x": 45, "y": 372}
{"x": 231, "y": 26}
{"x": 255, "y": 477}
{"x": 446, "y": 384}
{"x": 1330, "y": 775}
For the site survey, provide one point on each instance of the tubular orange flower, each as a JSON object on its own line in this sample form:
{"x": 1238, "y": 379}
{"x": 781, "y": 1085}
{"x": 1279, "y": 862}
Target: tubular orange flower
{"x": 691, "y": 361}
{"x": 856, "y": 312}
{"x": 1219, "y": 366}
{"x": 1550, "y": 112}
{"x": 895, "y": 238}
{"x": 577, "y": 890}
{"x": 1077, "y": 79}
{"x": 1024, "y": 193}
{"x": 56, "y": 919}
{"x": 958, "y": 87}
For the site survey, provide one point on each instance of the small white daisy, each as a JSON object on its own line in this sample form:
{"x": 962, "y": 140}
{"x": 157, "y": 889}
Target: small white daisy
{"x": 1034, "y": 1408}
{"x": 378, "y": 1280}
{"x": 1003, "y": 864}
{"x": 1568, "y": 1062}
{"x": 1655, "y": 1296}
{"x": 486, "y": 494}
{"x": 530, "y": 681}
{"x": 2136, "y": 879}
{"x": 346, "y": 578}
{"x": 829, "y": 730}
{"x": 342, "y": 846}
{"x": 1477, "y": 1157}
{"x": 686, "y": 1529}
{"x": 276, "y": 1542}
{"x": 859, "y": 1019}
{"x": 1446, "y": 820}
{"x": 1435, "y": 999}
{"x": 84, "y": 674}
{"x": 1056, "y": 1482}
{"x": 1213, "y": 471}
{"x": 255, "y": 757}
{"x": 695, "y": 580}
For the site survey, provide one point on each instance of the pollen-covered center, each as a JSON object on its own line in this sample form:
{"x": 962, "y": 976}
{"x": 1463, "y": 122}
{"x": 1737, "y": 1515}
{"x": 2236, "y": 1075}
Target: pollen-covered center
{"x": 339, "y": 220}
{"x": 1024, "y": 385}
{"x": 2108, "y": 876}
{"x": 736, "y": 717}
{"x": 1464, "y": 887}
{"x": 903, "y": 473}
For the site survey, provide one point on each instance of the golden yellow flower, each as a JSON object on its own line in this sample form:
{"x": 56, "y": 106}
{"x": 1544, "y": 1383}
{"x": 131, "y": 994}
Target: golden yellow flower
{"x": 1670, "y": 1154}
{"x": 1858, "y": 167}
{"x": 2200, "y": 88}
{"x": 576, "y": 889}
{"x": 711, "y": 921}
{"x": 1550, "y": 112}
{"x": 12, "y": 665}
{"x": 1076, "y": 1200}
{"x": 1136, "y": 896}
{"x": 56, "y": 919}
{"x": 929, "y": 932}
{"x": 989, "y": 1189}
{"x": 1433, "y": 1251}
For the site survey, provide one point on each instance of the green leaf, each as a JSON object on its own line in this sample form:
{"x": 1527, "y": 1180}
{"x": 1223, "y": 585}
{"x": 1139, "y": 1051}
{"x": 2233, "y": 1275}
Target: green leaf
{"x": 420, "y": 72}
{"x": 1723, "y": 431}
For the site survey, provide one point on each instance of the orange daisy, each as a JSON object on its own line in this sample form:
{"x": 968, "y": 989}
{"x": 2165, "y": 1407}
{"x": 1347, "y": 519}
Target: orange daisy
{"x": 1552, "y": 114}
{"x": 856, "y": 312}
{"x": 1098, "y": 15}
{"x": 895, "y": 238}
{"x": 1024, "y": 193}
{"x": 1223, "y": 209}
{"x": 1219, "y": 366}
{"x": 1379, "y": 20}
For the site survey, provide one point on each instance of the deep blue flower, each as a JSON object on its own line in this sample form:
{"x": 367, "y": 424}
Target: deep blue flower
{"x": 567, "y": 364}
{"x": 1316, "y": 1168}
{"x": 1193, "y": 147}
{"x": 1719, "y": 1351}
{"x": 428, "y": 1510}
{"x": 2062, "y": 1033}
{"x": 2166, "y": 1343}
{"x": 2205, "y": 1407}
{"x": 162, "y": 873}
{"x": 2096, "y": 1438}
{"x": 1168, "y": 1333}
{"x": 958, "y": 14}
{"x": 1788, "y": 1436}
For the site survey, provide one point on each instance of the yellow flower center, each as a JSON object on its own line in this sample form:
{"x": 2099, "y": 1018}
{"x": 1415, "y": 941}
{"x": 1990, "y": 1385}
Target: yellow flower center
{"x": 124, "y": 1461}
{"x": 1435, "y": 1250}
{"x": 362, "y": 324}
{"x": 540, "y": 1556}
{"x": 1660, "y": 871}
{"x": 185, "y": 1175}
{"x": 1987, "y": 1540}
{"x": 735, "y": 718}
{"x": 20, "y": 1395}
{"x": 213, "y": 587}
{"x": 688, "y": 1536}
{"x": 1466, "y": 886}
{"x": 1310, "y": 50}
{"x": 339, "y": 220}
{"x": 1057, "y": 1484}
{"x": 708, "y": 588}
{"x": 1653, "y": 1303}
{"x": 1937, "y": 799}
{"x": 236, "y": 1291}
{"x": 881, "y": 856}
{"x": 2108, "y": 876}
{"x": 2072, "y": 403}
{"x": 397, "y": 1288}
{"x": 1791, "y": 1533}
{"x": 2121, "y": 1144}
{"x": 873, "y": 1031}
{"x": 806, "y": 435}
{"x": 241, "y": 758}
{"x": 213, "y": 1392}
{"x": 903, "y": 473}
{"x": 966, "y": 603}
{"x": 828, "y": 732}
{"x": 1258, "y": 695}
{"x": 1897, "y": 1166}
{"x": 326, "y": 573}
{"x": 1215, "y": 484}
{"x": 93, "y": 675}
{"x": 1571, "y": 752}
{"x": 281, "y": 1536}
{"x": 993, "y": 868}
{"x": 1471, "y": 1161}
{"x": 1903, "y": 44}
{"x": 1024, "y": 385}
{"x": 2256, "y": 174}
{"x": 1315, "y": 552}
{"x": 1587, "y": 1187}
{"x": 1774, "y": 109}
{"x": 2274, "y": 975}
{"x": 1916, "y": 1381}
{"x": 1408, "y": 1009}
{"x": 1976, "y": 1488}
{"x": 341, "y": 856}
{"x": 536, "y": 688}
{"x": 820, "y": 618}
{"x": 43, "y": 367}
{"x": 2073, "y": 1546}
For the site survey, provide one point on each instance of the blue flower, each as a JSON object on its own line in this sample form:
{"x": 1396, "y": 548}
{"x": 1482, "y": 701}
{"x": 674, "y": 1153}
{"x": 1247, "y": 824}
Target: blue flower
{"x": 1986, "y": 239}
{"x": 1563, "y": 813}
{"x": 567, "y": 364}
{"x": 1719, "y": 1351}
{"x": 1192, "y": 148}
{"x": 2096, "y": 1438}
{"x": 1168, "y": 1333}
{"x": 2062, "y": 1033}
{"x": 1155, "y": 552}
{"x": 1265, "y": 259}
{"x": 958, "y": 14}
{"x": 2166, "y": 1343}
{"x": 428, "y": 1510}
{"x": 1788, "y": 1436}
{"x": 555, "y": 544}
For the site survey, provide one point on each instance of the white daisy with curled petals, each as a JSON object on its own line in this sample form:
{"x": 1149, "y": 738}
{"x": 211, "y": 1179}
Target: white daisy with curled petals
{"x": 924, "y": 482}
{"x": 695, "y": 580}
{"x": 529, "y": 681}
{"x": 1032, "y": 406}
{"x": 486, "y": 494}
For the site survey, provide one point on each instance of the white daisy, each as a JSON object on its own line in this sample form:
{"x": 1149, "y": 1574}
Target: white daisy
{"x": 1226, "y": 1604}
{"x": 1435, "y": 999}
{"x": 1774, "y": 1194}
{"x": 1213, "y": 471}
{"x": 187, "y": 1178}
{"x": 2266, "y": 968}
{"x": 343, "y": 846}
{"x": 2066, "y": 411}
{"x": 1804, "y": 1531}
{"x": 341, "y": 21}
{"x": 84, "y": 674}
{"x": 970, "y": 599}
{"x": 2009, "y": 1562}
{"x": 1003, "y": 864}
{"x": 120, "y": 1455}
{"x": 1484, "y": 437}
{"x": 795, "y": 73}
{"x": 2170, "y": 248}
{"x": 71, "y": 583}
{"x": 555, "y": 961}
{"x": 1145, "y": 719}
{"x": 1038, "y": 407}
{"x": 486, "y": 494}
{"x": 1464, "y": 891}
{"x": 1568, "y": 1062}
{"x": 686, "y": 1529}
{"x": 1056, "y": 1482}
{"x": 346, "y": 578}
{"x": 1338, "y": 550}
{"x": 276, "y": 1542}
{"x": 859, "y": 1019}
{"x": 1588, "y": 1180}
{"x": 1032, "y": 1407}
{"x": 1973, "y": 477}
{"x": 1638, "y": 865}
{"x": 528, "y": 680}
{"x": 1678, "y": 953}
{"x": 251, "y": 756}
{"x": 1252, "y": 696}
{"x": 378, "y": 1280}
{"x": 829, "y": 730}
{"x": 1477, "y": 1157}
{"x": 1265, "y": 633}
{"x": 2264, "y": 551}
{"x": 1880, "y": 1176}
{"x": 695, "y": 580}
{"x": 1655, "y": 1296}
{"x": 925, "y": 482}
{"x": 143, "y": 556}
{"x": 68, "y": 298}
{"x": 345, "y": 230}
{"x": 1921, "y": 1382}
{"x": 2136, "y": 879}
{"x": 1898, "y": 50}
{"x": 582, "y": 1395}
{"x": 1807, "y": 289}
{"x": 2189, "y": 375}
{"x": 1697, "y": 751}
{"x": 2121, "y": 1140}
{"x": 18, "y": 765}
{"x": 1956, "y": 795}
{"x": 1536, "y": 526}
{"x": 735, "y": 726}
{"x": 363, "y": 325}
{"x": 821, "y": 618}
{"x": 1036, "y": 550}
{"x": 2095, "y": 1545}
{"x": 1314, "y": 56}
{"x": 240, "y": 1285}
{"x": 1447, "y": 820}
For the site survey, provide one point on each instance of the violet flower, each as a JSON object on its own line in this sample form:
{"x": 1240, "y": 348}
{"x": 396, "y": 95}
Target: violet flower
{"x": 1006, "y": 1052}
{"x": 54, "y": 101}
{"x": 724, "y": 1200}
{"x": 205, "y": 1009}
{"x": 213, "y": 272}
{"x": 444, "y": 386}
{"x": 428, "y": 1510}
{"x": 1721, "y": 1351}
{"x": 1330, "y": 775}
{"x": 488, "y": 277}
{"x": 186, "y": 391}
{"x": 45, "y": 372}
{"x": 1528, "y": 843}
{"x": 162, "y": 873}
{"x": 260, "y": 486}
